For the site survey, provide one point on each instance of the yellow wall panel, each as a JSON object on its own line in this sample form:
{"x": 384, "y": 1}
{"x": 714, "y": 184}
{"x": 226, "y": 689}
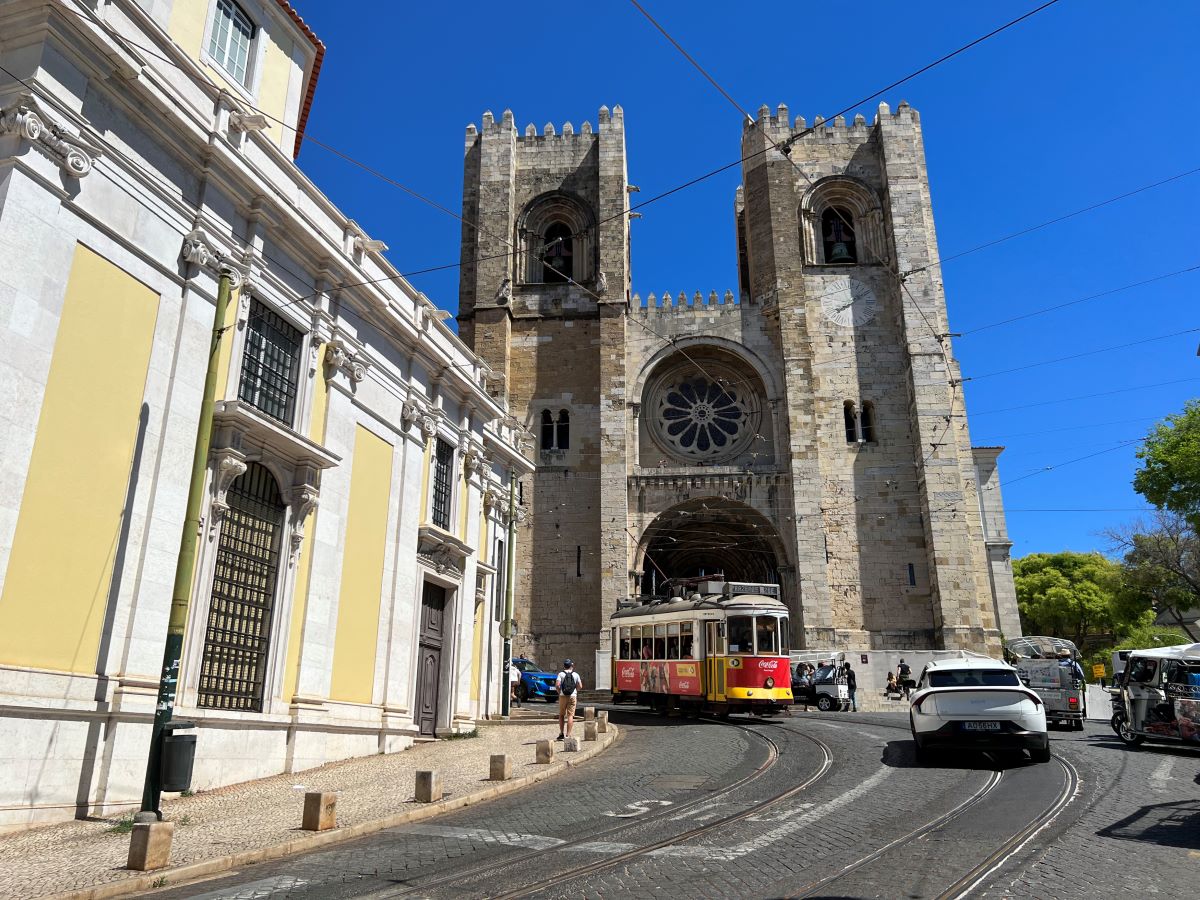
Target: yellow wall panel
{"x": 60, "y": 570}
{"x": 362, "y": 569}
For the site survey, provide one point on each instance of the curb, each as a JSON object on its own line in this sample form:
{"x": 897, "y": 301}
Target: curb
{"x": 180, "y": 875}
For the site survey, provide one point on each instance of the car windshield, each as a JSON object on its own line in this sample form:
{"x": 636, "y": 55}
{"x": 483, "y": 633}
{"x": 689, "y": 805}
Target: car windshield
{"x": 527, "y": 665}
{"x": 973, "y": 678}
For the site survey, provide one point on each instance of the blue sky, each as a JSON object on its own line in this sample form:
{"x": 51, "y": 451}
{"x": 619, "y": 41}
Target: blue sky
{"x": 1083, "y": 102}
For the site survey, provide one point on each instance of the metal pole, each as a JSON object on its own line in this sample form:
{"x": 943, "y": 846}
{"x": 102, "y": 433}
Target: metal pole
{"x": 507, "y": 625}
{"x": 185, "y": 564}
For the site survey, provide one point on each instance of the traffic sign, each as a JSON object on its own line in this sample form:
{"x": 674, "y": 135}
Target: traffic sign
{"x": 1098, "y": 670}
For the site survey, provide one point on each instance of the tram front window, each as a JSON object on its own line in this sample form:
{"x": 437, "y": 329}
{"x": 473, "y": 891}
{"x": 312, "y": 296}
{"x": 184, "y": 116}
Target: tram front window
{"x": 785, "y": 643}
{"x": 767, "y": 633}
{"x": 740, "y": 633}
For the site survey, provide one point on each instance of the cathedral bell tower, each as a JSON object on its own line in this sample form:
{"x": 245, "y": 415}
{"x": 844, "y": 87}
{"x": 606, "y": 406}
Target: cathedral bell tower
{"x": 542, "y": 299}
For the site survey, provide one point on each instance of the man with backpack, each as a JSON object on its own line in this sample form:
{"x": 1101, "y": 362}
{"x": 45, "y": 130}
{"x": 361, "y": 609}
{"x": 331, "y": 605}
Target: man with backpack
{"x": 904, "y": 677}
{"x": 568, "y": 684}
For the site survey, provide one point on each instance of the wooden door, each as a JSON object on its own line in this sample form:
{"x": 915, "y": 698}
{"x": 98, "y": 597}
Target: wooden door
{"x": 429, "y": 656}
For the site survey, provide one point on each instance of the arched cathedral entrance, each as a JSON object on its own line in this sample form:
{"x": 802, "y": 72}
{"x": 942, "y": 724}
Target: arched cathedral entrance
{"x": 709, "y": 536}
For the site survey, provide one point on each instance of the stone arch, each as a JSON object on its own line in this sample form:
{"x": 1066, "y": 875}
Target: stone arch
{"x": 686, "y": 344}
{"x": 849, "y": 195}
{"x": 556, "y": 211}
{"x": 709, "y": 536}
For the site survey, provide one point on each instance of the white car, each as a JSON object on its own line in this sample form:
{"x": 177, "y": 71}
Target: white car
{"x": 977, "y": 703}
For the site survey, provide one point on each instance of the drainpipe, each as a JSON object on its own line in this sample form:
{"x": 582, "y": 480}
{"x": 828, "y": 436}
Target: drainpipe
{"x": 506, "y": 627}
{"x": 186, "y": 563}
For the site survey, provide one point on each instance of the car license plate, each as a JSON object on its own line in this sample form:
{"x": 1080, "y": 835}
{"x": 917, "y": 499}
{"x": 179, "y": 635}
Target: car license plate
{"x": 981, "y": 726}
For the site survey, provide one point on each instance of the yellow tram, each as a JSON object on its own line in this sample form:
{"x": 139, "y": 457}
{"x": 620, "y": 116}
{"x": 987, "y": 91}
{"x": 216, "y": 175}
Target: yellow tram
{"x": 720, "y": 649}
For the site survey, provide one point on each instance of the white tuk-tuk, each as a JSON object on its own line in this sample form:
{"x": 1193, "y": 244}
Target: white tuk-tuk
{"x": 827, "y": 690}
{"x": 1049, "y": 666}
{"x": 1160, "y": 690}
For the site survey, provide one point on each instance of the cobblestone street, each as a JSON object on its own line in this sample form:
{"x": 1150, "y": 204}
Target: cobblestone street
{"x": 802, "y": 806}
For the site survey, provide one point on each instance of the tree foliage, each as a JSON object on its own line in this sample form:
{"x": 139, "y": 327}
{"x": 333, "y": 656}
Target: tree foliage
{"x": 1161, "y": 566}
{"x": 1072, "y": 595}
{"x": 1170, "y": 474}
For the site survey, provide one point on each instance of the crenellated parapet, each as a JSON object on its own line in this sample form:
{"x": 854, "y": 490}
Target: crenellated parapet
{"x": 681, "y": 304}
{"x": 613, "y": 119}
{"x": 782, "y": 128}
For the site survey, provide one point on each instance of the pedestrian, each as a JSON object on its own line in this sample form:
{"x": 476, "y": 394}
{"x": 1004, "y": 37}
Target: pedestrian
{"x": 904, "y": 677}
{"x": 568, "y": 683}
{"x": 851, "y": 685}
{"x": 514, "y": 682}
{"x": 892, "y": 687}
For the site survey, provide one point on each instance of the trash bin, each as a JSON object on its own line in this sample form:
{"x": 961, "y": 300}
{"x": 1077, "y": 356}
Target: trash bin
{"x": 178, "y": 756}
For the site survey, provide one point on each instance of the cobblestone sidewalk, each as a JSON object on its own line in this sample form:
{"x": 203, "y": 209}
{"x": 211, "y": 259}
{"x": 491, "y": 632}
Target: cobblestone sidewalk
{"x": 75, "y": 856}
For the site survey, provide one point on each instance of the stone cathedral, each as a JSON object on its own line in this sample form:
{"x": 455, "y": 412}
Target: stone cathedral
{"x": 807, "y": 430}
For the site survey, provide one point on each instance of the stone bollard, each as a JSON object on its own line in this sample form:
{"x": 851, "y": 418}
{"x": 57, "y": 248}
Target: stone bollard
{"x": 429, "y": 787}
{"x": 150, "y": 846}
{"x": 501, "y": 768}
{"x": 589, "y": 731}
{"x": 545, "y": 751}
{"x": 320, "y": 811}
{"x": 602, "y": 722}
{"x": 589, "y": 713}
{"x": 571, "y": 744}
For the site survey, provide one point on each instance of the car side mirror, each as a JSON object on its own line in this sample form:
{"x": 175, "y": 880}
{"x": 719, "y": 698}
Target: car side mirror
{"x": 1025, "y": 681}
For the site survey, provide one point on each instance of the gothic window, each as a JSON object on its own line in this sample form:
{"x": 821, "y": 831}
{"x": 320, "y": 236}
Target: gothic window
{"x": 563, "y": 430}
{"x": 556, "y": 234}
{"x": 557, "y": 256}
{"x": 547, "y": 430}
{"x": 443, "y": 459}
{"x": 837, "y": 232}
{"x": 270, "y": 364}
{"x": 867, "y": 420}
{"x": 850, "y": 420}
{"x": 232, "y": 40}
{"x": 237, "y": 635}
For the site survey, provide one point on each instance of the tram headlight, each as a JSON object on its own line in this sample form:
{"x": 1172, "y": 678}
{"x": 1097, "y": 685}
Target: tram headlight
{"x": 769, "y": 683}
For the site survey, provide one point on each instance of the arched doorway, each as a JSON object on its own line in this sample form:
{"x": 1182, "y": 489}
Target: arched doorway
{"x": 709, "y": 536}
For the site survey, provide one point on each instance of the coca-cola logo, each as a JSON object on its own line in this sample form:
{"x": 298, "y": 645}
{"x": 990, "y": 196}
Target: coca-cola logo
{"x": 767, "y": 664}
{"x": 684, "y": 684}
{"x": 628, "y": 672}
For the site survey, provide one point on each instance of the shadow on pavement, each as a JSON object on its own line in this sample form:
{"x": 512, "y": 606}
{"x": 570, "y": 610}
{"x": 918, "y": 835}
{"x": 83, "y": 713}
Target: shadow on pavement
{"x": 903, "y": 755}
{"x": 1175, "y": 824}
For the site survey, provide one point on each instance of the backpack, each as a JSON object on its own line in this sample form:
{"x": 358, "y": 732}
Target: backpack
{"x": 570, "y": 681}
{"x": 905, "y": 671}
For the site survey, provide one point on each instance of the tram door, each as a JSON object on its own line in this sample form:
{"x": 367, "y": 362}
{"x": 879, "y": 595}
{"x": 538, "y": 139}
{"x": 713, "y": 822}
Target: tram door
{"x": 714, "y": 645}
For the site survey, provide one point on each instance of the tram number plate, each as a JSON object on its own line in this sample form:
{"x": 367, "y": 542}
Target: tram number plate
{"x": 981, "y": 726}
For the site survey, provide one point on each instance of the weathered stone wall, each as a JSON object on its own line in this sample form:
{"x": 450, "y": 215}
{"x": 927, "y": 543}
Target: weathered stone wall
{"x": 878, "y": 541}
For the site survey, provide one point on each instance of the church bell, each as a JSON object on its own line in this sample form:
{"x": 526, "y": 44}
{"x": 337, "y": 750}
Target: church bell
{"x": 840, "y": 253}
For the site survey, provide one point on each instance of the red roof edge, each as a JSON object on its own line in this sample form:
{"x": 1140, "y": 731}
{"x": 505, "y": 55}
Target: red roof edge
{"x": 302, "y": 123}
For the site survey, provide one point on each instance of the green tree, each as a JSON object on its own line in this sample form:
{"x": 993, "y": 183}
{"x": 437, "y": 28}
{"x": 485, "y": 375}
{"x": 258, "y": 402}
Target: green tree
{"x": 1071, "y": 595}
{"x": 1161, "y": 569}
{"x": 1170, "y": 473}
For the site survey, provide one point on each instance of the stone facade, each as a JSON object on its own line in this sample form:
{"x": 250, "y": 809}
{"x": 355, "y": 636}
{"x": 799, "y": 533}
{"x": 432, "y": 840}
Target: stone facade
{"x": 810, "y": 430}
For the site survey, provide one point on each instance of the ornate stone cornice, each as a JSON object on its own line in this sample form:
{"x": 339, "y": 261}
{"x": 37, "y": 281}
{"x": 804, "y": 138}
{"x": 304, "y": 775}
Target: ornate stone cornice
{"x": 304, "y": 499}
{"x": 25, "y": 117}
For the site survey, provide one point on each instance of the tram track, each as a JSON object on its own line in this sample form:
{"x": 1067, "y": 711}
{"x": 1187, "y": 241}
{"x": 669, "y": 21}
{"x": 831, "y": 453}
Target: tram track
{"x": 975, "y": 876}
{"x": 674, "y": 812}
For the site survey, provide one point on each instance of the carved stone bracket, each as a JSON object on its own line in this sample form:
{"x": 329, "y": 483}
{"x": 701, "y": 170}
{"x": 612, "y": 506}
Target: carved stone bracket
{"x": 409, "y": 413}
{"x": 429, "y": 427}
{"x": 304, "y": 499}
{"x": 199, "y": 250}
{"x": 491, "y": 499}
{"x": 230, "y": 464}
{"x": 25, "y": 117}
{"x": 338, "y": 356}
{"x": 472, "y": 461}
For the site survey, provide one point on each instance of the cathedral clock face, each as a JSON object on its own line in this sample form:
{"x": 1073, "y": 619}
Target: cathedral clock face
{"x": 848, "y": 302}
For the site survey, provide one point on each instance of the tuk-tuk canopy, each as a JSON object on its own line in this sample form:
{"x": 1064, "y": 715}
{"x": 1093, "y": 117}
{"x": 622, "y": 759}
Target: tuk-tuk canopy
{"x": 1186, "y": 652}
{"x": 1039, "y": 647}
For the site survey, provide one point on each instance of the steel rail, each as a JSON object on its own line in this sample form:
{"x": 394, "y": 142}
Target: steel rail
{"x": 419, "y": 887}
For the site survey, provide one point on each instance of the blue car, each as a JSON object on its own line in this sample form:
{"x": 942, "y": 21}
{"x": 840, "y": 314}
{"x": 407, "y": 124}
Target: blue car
{"x": 535, "y": 682}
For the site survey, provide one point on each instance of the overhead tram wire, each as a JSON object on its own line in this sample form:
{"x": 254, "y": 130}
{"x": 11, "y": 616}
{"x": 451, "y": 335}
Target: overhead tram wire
{"x": 1141, "y": 387}
{"x": 434, "y": 204}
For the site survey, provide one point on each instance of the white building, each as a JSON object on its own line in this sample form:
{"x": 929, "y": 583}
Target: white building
{"x": 351, "y": 555}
